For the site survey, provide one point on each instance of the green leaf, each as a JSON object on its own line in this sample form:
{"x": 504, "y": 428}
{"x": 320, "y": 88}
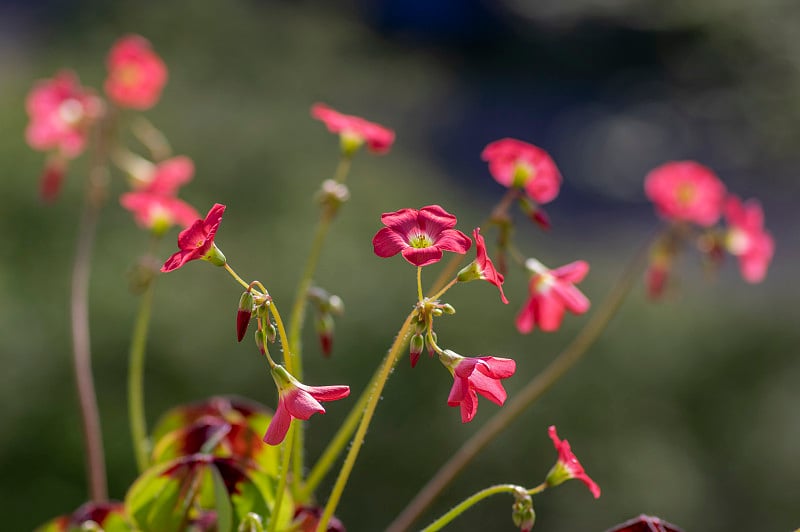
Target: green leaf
{"x": 223, "y": 502}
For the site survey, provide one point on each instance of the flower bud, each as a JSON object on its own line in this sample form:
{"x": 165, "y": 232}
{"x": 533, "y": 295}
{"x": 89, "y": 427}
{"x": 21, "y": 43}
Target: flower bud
{"x": 415, "y": 347}
{"x": 251, "y": 523}
{"x": 431, "y": 350}
{"x": 336, "y": 305}
{"x": 324, "y": 326}
{"x": 447, "y": 308}
{"x": 272, "y": 333}
{"x": 522, "y": 511}
{"x": 243, "y": 314}
{"x": 52, "y": 177}
{"x": 261, "y": 343}
{"x": 437, "y": 311}
{"x": 535, "y": 213}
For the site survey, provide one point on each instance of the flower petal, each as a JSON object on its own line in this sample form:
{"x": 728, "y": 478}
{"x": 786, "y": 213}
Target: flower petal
{"x": 388, "y": 242}
{"x": 433, "y": 219}
{"x": 422, "y": 256}
{"x": 326, "y": 393}
{"x": 453, "y": 240}
{"x": 278, "y": 425}
{"x": 574, "y": 272}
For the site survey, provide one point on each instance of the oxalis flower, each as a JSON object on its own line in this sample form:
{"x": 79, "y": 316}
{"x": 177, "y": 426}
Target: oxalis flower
{"x": 568, "y": 466}
{"x": 419, "y": 235}
{"x": 514, "y": 163}
{"x": 482, "y": 267}
{"x": 296, "y": 400}
{"x": 166, "y": 177}
{"x": 747, "y": 239}
{"x": 473, "y": 376}
{"x": 158, "y": 213}
{"x": 136, "y": 75}
{"x": 686, "y": 191}
{"x": 354, "y": 131}
{"x": 197, "y": 242}
{"x": 552, "y": 291}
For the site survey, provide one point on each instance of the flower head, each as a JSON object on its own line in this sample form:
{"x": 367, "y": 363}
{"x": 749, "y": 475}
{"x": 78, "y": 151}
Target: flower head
{"x": 747, "y": 239}
{"x": 197, "y": 242}
{"x": 482, "y": 267}
{"x": 514, "y": 163}
{"x": 136, "y": 74}
{"x": 568, "y": 466}
{"x": 61, "y": 113}
{"x": 686, "y": 191}
{"x": 552, "y": 291}
{"x": 473, "y": 376}
{"x": 296, "y": 400}
{"x": 354, "y": 131}
{"x": 158, "y": 213}
{"x": 420, "y": 235}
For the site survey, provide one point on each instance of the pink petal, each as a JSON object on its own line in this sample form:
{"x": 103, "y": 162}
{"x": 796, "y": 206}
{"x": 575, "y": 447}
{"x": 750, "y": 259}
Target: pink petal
{"x": 327, "y": 393}
{"x": 170, "y": 175}
{"x": 526, "y": 319}
{"x": 488, "y": 387}
{"x": 192, "y": 235}
{"x": 574, "y": 272}
{"x": 301, "y": 404}
{"x": 549, "y": 312}
{"x": 278, "y": 425}
{"x": 401, "y": 221}
{"x": 433, "y": 219}
{"x": 177, "y": 260}
{"x": 466, "y": 366}
{"x": 213, "y": 219}
{"x": 469, "y": 406}
{"x": 388, "y": 242}
{"x": 453, "y": 240}
{"x": 422, "y": 256}
{"x": 458, "y": 391}
{"x": 573, "y": 299}
{"x": 497, "y": 368}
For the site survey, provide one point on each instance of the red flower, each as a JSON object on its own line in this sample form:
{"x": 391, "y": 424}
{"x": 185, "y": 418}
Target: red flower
{"x": 552, "y": 291}
{"x": 136, "y": 74}
{"x": 747, "y": 239}
{"x": 296, "y": 400}
{"x": 482, "y": 267}
{"x": 686, "y": 191}
{"x": 197, "y": 242}
{"x": 420, "y": 235}
{"x": 158, "y": 213}
{"x": 168, "y": 176}
{"x": 568, "y": 466}
{"x": 354, "y": 131}
{"x": 61, "y": 112}
{"x": 514, "y": 163}
{"x": 473, "y": 376}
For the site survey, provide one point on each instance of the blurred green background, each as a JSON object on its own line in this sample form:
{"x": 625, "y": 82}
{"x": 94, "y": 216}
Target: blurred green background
{"x": 688, "y": 409}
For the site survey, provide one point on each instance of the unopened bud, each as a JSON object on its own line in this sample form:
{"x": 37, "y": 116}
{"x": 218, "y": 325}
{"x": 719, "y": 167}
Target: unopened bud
{"x": 447, "y": 308}
{"x": 336, "y": 305}
{"x": 261, "y": 341}
{"x": 437, "y": 312}
{"x": 52, "y": 177}
{"x": 415, "y": 347}
{"x": 535, "y": 213}
{"x": 272, "y": 333}
{"x": 324, "y": 325}
{"x": 522, "y": 511}
{"x": 431, "y": 350}
{"x": 251, "y": 523}
{"x": 243, "y": 314}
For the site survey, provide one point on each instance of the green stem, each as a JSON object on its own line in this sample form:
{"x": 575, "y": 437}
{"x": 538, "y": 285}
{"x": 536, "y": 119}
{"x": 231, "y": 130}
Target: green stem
{"x": 526, "y": 397}
{"x": 285, "y": 470}
{"x": 467, "y": 503}
{"x": 358, "y": 440}
{"x": 136, "y": 414}
{"x": 419, "y": 284}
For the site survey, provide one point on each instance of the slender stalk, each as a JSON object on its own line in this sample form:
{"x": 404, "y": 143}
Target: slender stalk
{"x": 470, "y": 501}
{"x": 526, "y": 397}
{"x": 136, "y": 414}
{"x": 386, "y": 369}
{"x": 285, "y": 471}
{"x": 419, "y": 283}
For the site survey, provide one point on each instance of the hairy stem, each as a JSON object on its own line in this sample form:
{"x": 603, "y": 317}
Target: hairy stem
{"x": 138, "y": 423}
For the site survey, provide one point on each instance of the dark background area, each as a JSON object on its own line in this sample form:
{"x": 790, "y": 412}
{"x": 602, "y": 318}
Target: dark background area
{"x": 686, "y": 409}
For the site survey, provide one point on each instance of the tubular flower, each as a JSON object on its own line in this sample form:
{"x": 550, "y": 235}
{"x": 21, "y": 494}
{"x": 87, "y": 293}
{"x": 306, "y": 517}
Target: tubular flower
{"x": 747, "y": 239}
{"x": 552, "y": 291}
{"x": 354, "y": 131}
{"x": 296, "y": 400}
{"x": 482, "y": 267}
{"x": 197, "y": 242}
{"x": 61, "y": 113}
{"x": 568, "y": 466}
{"x": 136, "y": 75}
{"x": 419, "y": 235}
{"x": 514, "y": 163}
{"x": 158, "y": 213}
{"x": 686, "y": 191}
{"x": 473, "y": 376}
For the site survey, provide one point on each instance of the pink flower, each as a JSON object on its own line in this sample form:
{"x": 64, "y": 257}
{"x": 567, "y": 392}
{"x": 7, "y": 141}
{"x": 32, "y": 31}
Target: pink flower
{"x": 552, "y": 291}
{"x": 473, "y": 376}
{"x": 136, "y": 74}
{"x": 568, "y": 466}
{"x": 296, "y": 400}
{"x": 747, "y": 239}
{"x": 168, "y": 176}
{"x": 158, "y": 213}
{"x": 197, "y": 242}
{"x": 354, "y": 131}
{"x": 514, "y": 163}
{"x": 686, "y": 191}
{"x": 420, "y": 235}
{"x": 482, "y": 267}
{"x": 61, "y": 113}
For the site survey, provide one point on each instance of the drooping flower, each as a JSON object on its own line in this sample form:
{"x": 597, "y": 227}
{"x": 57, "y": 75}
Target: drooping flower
{"x": 197, "y": 242}
{"x": 747, "y": 239}
{"x": 61, "y": 113}
{"x": 354, "y": 131}
{"x": 482, "y": 267}
{"x": 552, "y": 291}
{"x": 296, "y": 400}
{"x": 158, "y": 213}
{"x": 473, "y": 376}
{"x": 307, "y": 519}
{"x": 419, "y": 235}
{"x": 136, "y": 74}
{"x": 514, "y": 163}
{"x": 686, "y": 191}
{"x": 166, "y": 177}
{"x": 568, "y": 467}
